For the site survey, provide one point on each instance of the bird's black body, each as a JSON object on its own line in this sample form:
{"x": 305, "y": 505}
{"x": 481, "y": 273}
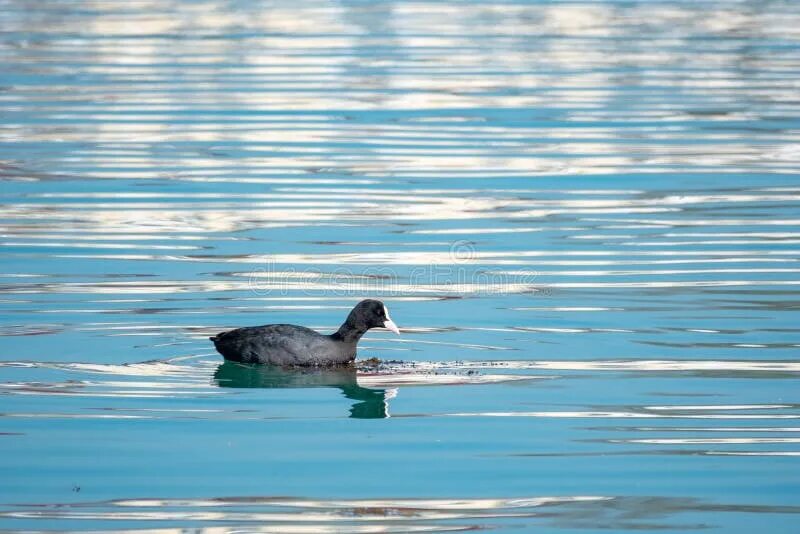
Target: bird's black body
{"x": 286, "y": 344}
{"x": 283, "y": 344}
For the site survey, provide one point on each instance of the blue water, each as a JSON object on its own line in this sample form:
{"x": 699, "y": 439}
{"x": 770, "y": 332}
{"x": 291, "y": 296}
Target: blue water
{"x": 584, "y": 216}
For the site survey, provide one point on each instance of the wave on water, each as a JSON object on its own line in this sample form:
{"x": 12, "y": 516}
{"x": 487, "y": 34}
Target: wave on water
{"x": 306, "y": 515}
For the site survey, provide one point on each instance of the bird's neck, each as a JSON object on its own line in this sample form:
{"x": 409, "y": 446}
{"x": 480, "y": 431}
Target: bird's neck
{"x": 349, "y": 333}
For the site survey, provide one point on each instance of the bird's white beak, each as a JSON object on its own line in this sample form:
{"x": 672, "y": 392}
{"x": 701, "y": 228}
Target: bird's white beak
{"x": 388, "y": 323}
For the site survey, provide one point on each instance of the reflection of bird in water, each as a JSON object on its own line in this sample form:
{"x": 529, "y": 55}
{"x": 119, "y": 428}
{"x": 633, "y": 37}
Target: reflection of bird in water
{"x": 287, "y": 344}
{"x": 372, "y": 402}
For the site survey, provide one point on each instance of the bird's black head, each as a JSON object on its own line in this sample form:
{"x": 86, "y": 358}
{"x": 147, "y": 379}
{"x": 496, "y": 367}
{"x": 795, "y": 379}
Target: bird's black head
{"x": 371, "y": 314}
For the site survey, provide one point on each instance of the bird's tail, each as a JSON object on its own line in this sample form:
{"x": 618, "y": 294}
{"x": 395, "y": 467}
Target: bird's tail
{"x": 218, "y": 337}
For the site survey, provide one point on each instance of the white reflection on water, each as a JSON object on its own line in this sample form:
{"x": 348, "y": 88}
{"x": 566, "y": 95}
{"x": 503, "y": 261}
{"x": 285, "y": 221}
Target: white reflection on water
{"x": 301, "y": 515}
{"x": 639, "y": 365}
{"x": 712, "y": 441}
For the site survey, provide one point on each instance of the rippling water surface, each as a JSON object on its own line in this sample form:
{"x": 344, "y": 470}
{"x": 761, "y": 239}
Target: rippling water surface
{"x": 584, "y": 216}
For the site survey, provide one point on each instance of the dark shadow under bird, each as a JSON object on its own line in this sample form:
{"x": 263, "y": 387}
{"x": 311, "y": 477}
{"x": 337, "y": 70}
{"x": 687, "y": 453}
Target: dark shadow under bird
{"x": 368, "y": 403}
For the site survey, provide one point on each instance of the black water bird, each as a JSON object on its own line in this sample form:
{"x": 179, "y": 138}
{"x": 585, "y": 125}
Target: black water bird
{"x": 286, "y": 344}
